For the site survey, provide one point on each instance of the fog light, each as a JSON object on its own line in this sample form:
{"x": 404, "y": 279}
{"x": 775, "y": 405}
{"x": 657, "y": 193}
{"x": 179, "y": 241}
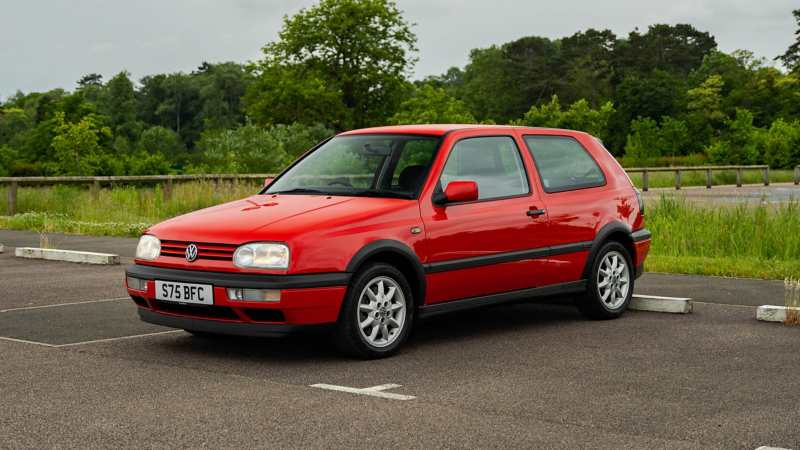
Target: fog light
{"x": 254, "y": 295}
{"x": 137, "y": 284}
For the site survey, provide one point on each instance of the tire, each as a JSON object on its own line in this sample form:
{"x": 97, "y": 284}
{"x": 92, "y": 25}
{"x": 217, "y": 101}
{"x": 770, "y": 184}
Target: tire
{"x": 601, "y": 301}
{"x": 391, "y": 312}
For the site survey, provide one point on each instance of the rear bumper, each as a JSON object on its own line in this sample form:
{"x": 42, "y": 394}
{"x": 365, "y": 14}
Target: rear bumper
{"x": 230, "y": 328}
{"x": 641, "y": 247}
{"x": 307, "y": 302}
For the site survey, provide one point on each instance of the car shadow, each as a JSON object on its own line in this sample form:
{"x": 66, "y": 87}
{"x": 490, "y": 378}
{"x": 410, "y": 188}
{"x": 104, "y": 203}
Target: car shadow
{"x": 435, "y": 333}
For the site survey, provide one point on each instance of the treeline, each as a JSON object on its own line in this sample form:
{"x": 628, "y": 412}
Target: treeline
{"x": 664, "y": 92}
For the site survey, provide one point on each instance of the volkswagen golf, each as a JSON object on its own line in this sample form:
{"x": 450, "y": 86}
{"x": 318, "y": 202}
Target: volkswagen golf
{"x": 375, "y": 229}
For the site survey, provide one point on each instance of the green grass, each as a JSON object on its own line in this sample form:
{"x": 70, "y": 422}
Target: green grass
{"x": 733, "y": 240}
{"x": 123, "y": 211}
{"x": 718, "y": 178}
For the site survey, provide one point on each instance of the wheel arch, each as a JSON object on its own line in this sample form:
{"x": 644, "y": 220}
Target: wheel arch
{"x": 612, "y": 231}
{"x": 398, "y": 255}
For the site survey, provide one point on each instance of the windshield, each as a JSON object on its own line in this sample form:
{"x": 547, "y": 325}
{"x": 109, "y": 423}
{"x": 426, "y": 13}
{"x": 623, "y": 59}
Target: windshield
{"x": 361, "y": 165}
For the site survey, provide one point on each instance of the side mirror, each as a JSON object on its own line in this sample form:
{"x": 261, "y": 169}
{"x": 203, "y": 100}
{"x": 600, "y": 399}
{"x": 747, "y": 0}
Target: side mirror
{"x": 457, "y": 192}
{"x": 268, "y": 181}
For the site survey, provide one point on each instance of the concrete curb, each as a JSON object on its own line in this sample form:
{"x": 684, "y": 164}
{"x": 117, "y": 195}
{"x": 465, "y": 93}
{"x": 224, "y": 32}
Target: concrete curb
{"x": 661, "y": 304}
{"x": 66, "y": 255}
{"x": 769, "y": 313}
{"x": 1, "y": 248}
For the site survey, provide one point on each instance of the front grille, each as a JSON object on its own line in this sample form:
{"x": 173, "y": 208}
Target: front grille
{"x": 264, "y": 315}
{"x": 200, "y": 312}
{"x": 219, "y": 252}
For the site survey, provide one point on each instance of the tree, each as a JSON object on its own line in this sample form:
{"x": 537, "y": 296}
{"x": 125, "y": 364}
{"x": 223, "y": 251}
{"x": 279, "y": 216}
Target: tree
{"x": 164, "y": 141}
{"x": 431, "y": 105}
{"x": 490, "y": 90}
{"x": 588, "y": 59}
{"x": 93, "y": 79}
{"x": 646, "y": 141}
{"x": 534, "y": 64}
{"x": 578, "y": 117}
{"x": 782, "y": 145}
{"x": 739, "y": 144}
{"x": 791, "y": 58}
{"x": 76, "y": 145}
{"x": 220, "y": 87}
{"x": 342, "y": 62}
{"x": 119, "y": 105}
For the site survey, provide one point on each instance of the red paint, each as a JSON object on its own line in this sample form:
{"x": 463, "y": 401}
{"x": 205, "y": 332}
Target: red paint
{"x": 325, "y": 232}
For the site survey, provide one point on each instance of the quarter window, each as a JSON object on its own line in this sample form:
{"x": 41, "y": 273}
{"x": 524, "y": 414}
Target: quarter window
{"x": 563, "y": 164}
{"x": 492, "y": 162}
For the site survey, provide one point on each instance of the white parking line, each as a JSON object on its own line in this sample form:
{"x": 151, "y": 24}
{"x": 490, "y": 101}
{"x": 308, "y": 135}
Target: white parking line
{"x": 88, "y": 342}
{"x": 64, "y": 304}
{"x": 374, "y": 391}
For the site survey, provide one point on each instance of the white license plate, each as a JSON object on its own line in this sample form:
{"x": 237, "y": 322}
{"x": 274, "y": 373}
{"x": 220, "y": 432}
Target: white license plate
{"x": 198, "y": 294}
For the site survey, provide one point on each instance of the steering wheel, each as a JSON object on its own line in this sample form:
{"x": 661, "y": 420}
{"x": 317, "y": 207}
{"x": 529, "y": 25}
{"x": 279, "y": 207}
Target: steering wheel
{"x": 341, "y": 181}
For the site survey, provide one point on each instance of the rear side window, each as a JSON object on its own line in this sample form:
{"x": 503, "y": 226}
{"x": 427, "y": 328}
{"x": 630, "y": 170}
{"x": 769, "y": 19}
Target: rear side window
{"x": 493, "y": 162}
{"x": 563, "y": 164}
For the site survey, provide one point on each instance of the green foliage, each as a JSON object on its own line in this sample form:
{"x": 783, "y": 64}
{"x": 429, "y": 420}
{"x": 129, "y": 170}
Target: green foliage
{"x": 7, "y": 156}
{"x": 76, "y": 145}
{"x": 431, "y": 105}
{"x": 160, "y": 140}
{"x": 254, "y": 149}
{"x": 341, "y": 62}
{"x": 646, "y": 141}
{"x": 119, "y": 106}
{"x": 149, "y": 164}
{"x": 782, "y": 144}
{"x": 740, "y": 145}
{"x": 578, "y": 117}
{"x": 791, "y": 58}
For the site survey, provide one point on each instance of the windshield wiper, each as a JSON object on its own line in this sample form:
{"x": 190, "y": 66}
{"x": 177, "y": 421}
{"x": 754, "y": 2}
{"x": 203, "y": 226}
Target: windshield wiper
{"x": 299, "y": 191}
{"x": 380, "y": 193}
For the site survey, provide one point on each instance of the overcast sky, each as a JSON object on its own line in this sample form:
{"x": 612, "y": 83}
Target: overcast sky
{"x": 46, "y": 44}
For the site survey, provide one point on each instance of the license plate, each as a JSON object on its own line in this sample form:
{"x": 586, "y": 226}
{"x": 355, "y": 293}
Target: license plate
{"x": 198, "y": 294}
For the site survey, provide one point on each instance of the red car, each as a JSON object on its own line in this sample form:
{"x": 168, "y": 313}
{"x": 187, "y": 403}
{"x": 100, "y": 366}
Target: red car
{"x": 374, "y": 229}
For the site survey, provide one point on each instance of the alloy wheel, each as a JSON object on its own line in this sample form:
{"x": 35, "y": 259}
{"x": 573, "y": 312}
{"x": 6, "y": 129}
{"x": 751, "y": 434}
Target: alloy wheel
{"x": 381, "y": 311}
{"x": 612, "y": 280}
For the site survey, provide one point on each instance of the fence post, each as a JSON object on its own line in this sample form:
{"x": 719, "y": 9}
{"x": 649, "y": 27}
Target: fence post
{"x": 678, "y": 179}
{"x": 12, "y": 198}
{"x": 167, "y": 190}
{"x": 738, "y": 177}
{"x": 95, "y": 190}
{"x": 796, "y": 174}
{"x": 766, "y": 176}
{"x": 644, "y": 179}
{"x": 708, "y": 179}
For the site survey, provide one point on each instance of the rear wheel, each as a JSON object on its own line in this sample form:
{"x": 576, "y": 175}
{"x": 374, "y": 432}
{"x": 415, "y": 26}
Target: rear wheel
{"x": 376, "y": 313}
{"x": 610, "y": 284}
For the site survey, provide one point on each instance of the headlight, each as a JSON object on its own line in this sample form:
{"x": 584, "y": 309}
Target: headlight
{"x": 262, "y": 255}
{"x": 149, "y": 248}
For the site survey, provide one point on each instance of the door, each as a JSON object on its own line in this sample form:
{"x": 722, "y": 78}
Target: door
{"x": 497, "y": 243}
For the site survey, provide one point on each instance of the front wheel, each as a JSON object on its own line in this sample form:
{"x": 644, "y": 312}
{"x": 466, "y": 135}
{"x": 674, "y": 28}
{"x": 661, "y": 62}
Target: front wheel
{"x": 376, "y": 313}
{"x": 610, "y": 284}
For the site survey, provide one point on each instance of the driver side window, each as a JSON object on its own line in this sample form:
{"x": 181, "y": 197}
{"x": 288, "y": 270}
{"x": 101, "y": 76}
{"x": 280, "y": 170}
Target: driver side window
{"x": 494, "y": 162}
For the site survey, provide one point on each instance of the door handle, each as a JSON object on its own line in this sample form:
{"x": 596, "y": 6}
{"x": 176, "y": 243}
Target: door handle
{"x": 536, "y": 212}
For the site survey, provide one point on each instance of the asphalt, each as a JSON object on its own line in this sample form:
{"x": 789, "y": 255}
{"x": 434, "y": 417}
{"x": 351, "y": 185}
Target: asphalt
{"x": 521, "y": 376}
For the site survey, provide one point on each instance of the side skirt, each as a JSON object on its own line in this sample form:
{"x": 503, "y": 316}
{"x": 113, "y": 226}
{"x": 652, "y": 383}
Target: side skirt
{"x": 573, "y": 287}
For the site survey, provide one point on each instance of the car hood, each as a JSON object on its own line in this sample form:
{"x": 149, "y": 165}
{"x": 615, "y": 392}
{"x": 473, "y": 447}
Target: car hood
{"x": 274, "y": 218}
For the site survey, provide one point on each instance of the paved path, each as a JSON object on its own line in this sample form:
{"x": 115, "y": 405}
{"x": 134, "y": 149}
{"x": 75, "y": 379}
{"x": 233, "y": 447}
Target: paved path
{"x": 77, "y": 372}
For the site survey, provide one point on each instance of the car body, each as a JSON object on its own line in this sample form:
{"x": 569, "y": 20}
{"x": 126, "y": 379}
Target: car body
{"x": 497, "y": 214}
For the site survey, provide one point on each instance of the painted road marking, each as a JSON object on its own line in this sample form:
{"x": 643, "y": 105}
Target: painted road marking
{"x": 374, "y": 391}
{"x": 88, "y": 342}
{"x": 65, "y": 304}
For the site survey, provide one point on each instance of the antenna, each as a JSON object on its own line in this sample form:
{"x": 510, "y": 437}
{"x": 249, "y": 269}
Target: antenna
{"x": 537, "y": 103}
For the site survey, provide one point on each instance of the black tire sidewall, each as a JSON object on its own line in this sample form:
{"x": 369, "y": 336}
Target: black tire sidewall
{"x": 595, "y": 303}
{"x": 348, "y": 317}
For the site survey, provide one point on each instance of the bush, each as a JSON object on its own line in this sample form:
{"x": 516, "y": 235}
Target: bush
{"x": 782, "y": 145}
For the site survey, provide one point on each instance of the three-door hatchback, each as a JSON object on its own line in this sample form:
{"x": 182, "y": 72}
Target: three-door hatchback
{"x": 374, "y": 229}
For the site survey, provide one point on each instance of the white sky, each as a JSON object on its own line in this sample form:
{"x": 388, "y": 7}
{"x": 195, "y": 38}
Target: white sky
{"x": 46, "y": 44}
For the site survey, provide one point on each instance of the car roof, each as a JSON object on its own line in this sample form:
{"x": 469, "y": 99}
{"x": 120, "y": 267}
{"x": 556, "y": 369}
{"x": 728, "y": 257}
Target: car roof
{"x": 434, "y": 129}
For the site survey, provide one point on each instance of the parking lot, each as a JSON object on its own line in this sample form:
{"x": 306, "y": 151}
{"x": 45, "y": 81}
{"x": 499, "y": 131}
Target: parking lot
{"x": 80, "y": 370}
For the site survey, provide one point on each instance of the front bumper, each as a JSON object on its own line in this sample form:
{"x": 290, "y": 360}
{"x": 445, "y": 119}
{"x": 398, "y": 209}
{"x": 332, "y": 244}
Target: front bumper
{"x": 308, "y": 301}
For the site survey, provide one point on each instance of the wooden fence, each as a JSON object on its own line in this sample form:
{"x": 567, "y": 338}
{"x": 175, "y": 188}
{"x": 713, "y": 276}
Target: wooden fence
{"x": 168, "y": 180}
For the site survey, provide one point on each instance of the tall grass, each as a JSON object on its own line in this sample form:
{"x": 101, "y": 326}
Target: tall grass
{"x": 730, "y": 240}
{"x": 122, "y": 211}
{"x": 718, "y": 178}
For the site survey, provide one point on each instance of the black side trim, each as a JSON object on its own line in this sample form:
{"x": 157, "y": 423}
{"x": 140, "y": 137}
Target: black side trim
{"x": 230, "y": 328}
{"x": 599, "y": 239}
{"x": 573, "y": 287}
{"x": 641, "y": 235}
{"x": 241, "y": 280}
{"x": 637, "y": 272}
{"x": 399, "y": 248}
{"x": 505, "y": 257}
